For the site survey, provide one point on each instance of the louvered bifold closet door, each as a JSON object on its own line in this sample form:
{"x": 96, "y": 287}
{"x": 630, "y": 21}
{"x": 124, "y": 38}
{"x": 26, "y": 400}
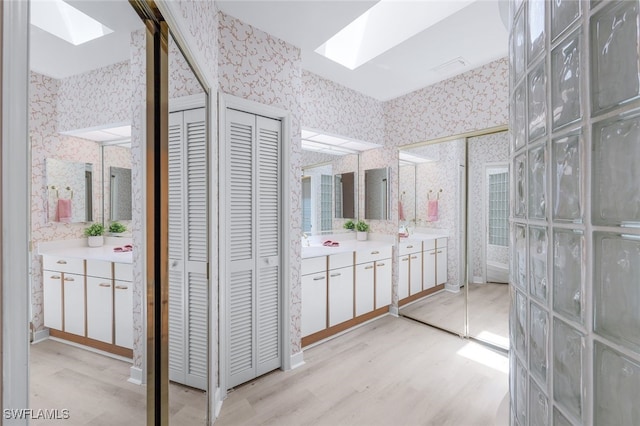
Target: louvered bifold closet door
{"x": 188, "y": 248}
{"x": 253, "y": 243}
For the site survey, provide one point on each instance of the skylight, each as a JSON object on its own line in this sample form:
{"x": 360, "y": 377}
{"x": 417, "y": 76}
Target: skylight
{"x": 66, "y": 22}
{"x": 384, "y": 26}
{"x": 328, "y": 144}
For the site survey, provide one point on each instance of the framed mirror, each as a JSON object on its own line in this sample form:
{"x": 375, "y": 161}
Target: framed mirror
{"x": 376, "y": 194}
{"x": 116, "y": 183}
{"x": 69, "y": 191}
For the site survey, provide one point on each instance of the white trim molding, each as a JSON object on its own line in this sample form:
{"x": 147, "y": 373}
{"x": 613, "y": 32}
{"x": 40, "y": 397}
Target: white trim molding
{"x": 135, "y": 375}
{"x": 296, "y": 360}
{"x": 15, "y": 206}
{"x": 188, "y": 102}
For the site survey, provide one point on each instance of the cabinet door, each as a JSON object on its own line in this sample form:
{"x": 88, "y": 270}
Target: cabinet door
{"x": 403, "y": 278}
{"x": 100, "y": 309}
{"x": 429, "y": 269}
{"x": 52, "y": 284}
{"x": 340, "y": 295}
{"x": 383, "y": 283}
{"x": 74, "y": 304}
{"x": 123, "y": 315}
{"x": 415, "y": 279}
{"x": 364, "y": 288}
{"x": 441, "y": 267}
{"x": 314, "y": 303}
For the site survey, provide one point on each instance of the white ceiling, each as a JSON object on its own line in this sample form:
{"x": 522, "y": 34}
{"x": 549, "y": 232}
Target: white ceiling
{"x": 56, "y": 58}
{"x": 476, "y": 33}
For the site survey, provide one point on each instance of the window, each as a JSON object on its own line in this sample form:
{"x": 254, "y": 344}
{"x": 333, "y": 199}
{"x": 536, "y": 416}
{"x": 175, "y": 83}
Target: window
{"x": 499, "y": 209}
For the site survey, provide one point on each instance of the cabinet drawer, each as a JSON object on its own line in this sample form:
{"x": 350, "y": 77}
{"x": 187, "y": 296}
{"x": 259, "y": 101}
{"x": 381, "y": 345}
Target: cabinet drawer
{"x": 364, "y": 256}
{"x": 343, "y": 260}
{"x": 429, "y": 244}
{"x": 410, "y": 247}
{"x": 99, "y": 268}
{"x": 441, "y": 242}
{"x": 313, "y": 265}
{"x": 63, "y": 264}
{"x": 123, "y": 271}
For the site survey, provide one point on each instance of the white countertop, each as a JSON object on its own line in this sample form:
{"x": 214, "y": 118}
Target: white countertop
{"x": 79, "y": 250}
{"x": 348, "y": 246}
{"x": 423, "y": 237}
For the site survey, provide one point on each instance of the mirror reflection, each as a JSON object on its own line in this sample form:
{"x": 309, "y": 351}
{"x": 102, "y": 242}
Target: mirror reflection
{"x": 345, "y": 195}
{"x": 69, "y": 191}
{"x": 376, "y": 194}
{"x": 116, "y": 184}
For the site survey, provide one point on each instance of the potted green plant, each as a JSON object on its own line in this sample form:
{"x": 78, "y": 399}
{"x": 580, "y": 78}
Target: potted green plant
{"x": 362, "y": 229}
{"x": 117, "y": 228}
{"x": 350, "y": 225}
{"x": 95, "y": 235}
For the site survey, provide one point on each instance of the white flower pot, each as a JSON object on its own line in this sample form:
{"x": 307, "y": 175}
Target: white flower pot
{"x": 361, "y": 236}
{"x": 95, "y": 241}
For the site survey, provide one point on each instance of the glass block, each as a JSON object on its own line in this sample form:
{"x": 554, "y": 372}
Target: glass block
{"x": 538, "y": 263}
{"x": 519, "y": 121}
{"x": 616, "y": 155}
{"x": 518, "y": 46}
{"x": 568, "y": 346}
{"x": 537, "y": 182}
{"x": 538, "y": 405}
{"x": 520, "y": 257}
{"x": 567, "y": 177}
{"x": 535, "y": 40}
{"x": 615, "y": 66}
{"x": 565, "y": 86}
{"x": 521, "y": 325}
{"x": 616, "y": 288}
{"x": 520, "y": 167}
{"x": 559, "y": 419}
{"x": 538, "y": 338}
{"x": 521, "y": 394}
{"x": 537, "y": 102}
{"x": 617, "y": 386}
{"x": 568, "y": 274}
{"x": 563, "y": 14}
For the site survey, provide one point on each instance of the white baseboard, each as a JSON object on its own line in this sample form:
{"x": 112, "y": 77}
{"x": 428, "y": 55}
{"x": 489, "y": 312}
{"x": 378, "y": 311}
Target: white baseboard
{"x": 135, "y": 375}
{"x": 217, "y": 402}
{"x": 478, "y": 280}
{"x": 297, "y": 360}
{"x": 41, "y": 335}
{"x": 453, "y": 288}
{"x": 394, "y": 311}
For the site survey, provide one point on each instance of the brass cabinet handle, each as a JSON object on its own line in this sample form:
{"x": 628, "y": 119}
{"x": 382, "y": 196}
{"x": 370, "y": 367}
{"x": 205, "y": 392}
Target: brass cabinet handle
{"x": 439, "y": 251}
{"x": 62, "y": 262}
{"x": 368, "y": 267}
{"x": 104, "y": 285}
{"x": 121, "y": 287}
{"x": 55, "y": 277}
{"x": 379, "y": 264}
{"x": 414, "y": 257}
{"x": 318, "y": 278}
{"x": 433, "y": 254}
{"x": 336, "y": 275}
{"x": 405, "y": 259}
{"x": 69, "y": 279}
{"x": 375, "y": 252}
{"x": 411, "y": 246}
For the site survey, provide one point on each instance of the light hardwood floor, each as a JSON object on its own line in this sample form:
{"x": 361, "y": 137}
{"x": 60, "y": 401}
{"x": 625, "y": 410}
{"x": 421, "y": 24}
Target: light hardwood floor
{"x": 488, "y": 311}
{"x": 392, "y": 371}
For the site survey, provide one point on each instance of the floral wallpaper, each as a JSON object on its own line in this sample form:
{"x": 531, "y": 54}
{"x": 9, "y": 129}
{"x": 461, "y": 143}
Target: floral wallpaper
{"x": 483, "y": 150}
{"x": 182, "y": 81}
{"x": 257, "y": 66}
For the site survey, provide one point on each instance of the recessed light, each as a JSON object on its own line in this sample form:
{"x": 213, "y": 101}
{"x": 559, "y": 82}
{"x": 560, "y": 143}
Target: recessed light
{"x": 66, "y": 22}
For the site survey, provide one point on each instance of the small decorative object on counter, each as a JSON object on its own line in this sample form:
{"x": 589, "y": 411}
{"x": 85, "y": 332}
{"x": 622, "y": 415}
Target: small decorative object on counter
{"x": 363, "y": 228}
{"x": 117, "y": 228}
{"x": 349, "y": 225}
{"x": 95, "y": 235}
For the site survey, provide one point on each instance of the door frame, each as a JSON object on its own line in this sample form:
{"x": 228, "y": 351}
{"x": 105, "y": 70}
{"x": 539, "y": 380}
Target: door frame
{"x": 229, "y": 101}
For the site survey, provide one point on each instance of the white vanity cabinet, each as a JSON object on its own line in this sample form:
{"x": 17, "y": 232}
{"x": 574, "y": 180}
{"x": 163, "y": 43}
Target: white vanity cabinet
{"x": 365, "y": 287}
{"x": 373, "y": 279}
{"x": 52, "y": 294}
{"x": 314, "y": 295}
{"x": 410, "y": 273}
{"x": 340, "y": 276}
{"x": 63, "y": 282}
{"x": 100, "y": 300}
{"x": 123, "y": 304}
{"x": 383, "y": 280}
{"x": 435, "y": 262}
{"x": 441, "y": 261}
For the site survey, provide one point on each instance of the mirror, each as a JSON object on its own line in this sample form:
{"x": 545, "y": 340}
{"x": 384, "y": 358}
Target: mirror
{"x": 116, "y": 183}
{"x": 69, "y": 191}
{"x": 329, "y": 190}
{"x": 431, "y": 194}
{"x": 488, "y": 246}
{"x": 376, "y": 194}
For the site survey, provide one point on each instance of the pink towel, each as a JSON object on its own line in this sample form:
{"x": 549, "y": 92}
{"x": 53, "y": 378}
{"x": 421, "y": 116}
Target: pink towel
{"x": 64, "y": 210}
{"x": 432, "y": 211}
{"x": 400, "y": 210}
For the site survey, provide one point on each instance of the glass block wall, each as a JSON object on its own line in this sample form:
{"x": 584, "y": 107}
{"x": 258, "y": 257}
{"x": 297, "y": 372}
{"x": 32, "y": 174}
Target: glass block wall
{"x": 575, "y": 215}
